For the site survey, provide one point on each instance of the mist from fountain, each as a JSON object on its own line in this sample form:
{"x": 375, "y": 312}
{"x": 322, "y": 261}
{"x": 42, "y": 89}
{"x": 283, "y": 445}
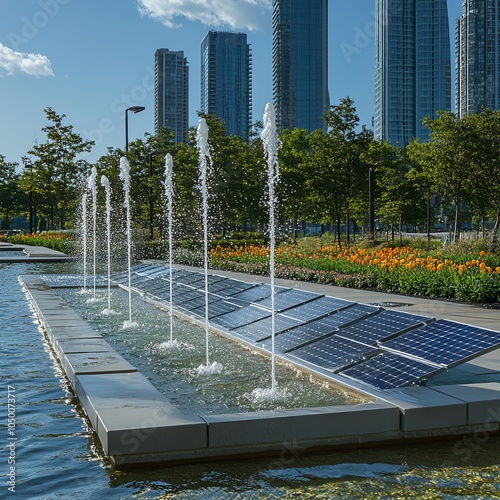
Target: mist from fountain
{"x": 270, "y": 140}
{"x": 107, "y": 188}
{"x": 84, "y": 237}
{"x": 169, "y": 194}
{"x": 204, "y": 164}
{"x": 125, "y": 177}
{"x": 92, "y": 187}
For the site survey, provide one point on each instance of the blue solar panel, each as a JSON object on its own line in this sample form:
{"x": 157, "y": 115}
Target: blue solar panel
{"x": 234, "y": 287}
{"x": 215, "y": 309}
{"x": 388, "y": 371}
{"x": 301, "y": 335}
{"x": 322, "y": 306}
{"x": 445, "y": 342}
{"x": 261, "y": 330}
{"x": 253, "y": 294}
{"x": 288, "y": 299}
{"x": 333, "y": 353}
{"x": 242, "y": 316}
{"x": 383, "y": 325}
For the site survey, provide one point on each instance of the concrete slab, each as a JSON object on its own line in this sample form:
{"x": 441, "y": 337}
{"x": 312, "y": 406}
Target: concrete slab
{"x": 96, "y": 362}
{"x": 424, "y": 408}
{"x": 75, "y": 346}
{"x": 483, "y": 401}
{"x": 318, "y": 426}
{"x": 132, "y": 417}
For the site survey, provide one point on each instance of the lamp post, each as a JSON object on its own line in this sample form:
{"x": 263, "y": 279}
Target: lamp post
{"x": 29, "y": 164}
{"x": 371, "y": 204}
{"x": 150, "y": 174}
{"x": 134, "y": 109}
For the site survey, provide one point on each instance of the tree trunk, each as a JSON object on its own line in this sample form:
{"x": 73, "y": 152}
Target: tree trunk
{"x": 495, "y": 244}
{"x": 456, "y": 229}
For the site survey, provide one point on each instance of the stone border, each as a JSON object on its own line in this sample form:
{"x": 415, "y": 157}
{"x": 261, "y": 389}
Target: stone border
{"x": 136, "y": 424}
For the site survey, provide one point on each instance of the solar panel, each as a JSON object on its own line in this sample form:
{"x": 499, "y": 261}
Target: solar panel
{"x": 382, "y": 326}
{"x": 233, "y": 287}
{"x": 194, "y": 302}
{"x": 388, "y": 371}
{"x": 215, "y": 309}
{"x": 150, "y": 268}
{"x": 301, "y": 335}
{"x": 333, "y": 353}
{"x": 152, "y": 284}
{"x": 261, "y": 330}
{"x": 288, "y": 299}
{"x": 322, "y": 306}
{"x": 185, "y": 277}
{"x": 241, "y": 316}
{"x": 445, "y": 342}
{"x": 163, "y": 271}
{"x": 255, "y": 294}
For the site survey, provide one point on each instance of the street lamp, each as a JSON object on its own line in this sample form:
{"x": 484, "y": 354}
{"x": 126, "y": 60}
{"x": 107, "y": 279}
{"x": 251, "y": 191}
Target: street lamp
{"x": 29, "y": 164}
{"x": 150, "y": 173}
{"x": 134, "y": 109}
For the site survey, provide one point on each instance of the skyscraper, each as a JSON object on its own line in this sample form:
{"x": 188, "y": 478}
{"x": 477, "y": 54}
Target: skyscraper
{"x": 477, "y": 50}
{"x": 412, "y": 67}
{"x": 226, "y": 81}
{"x": 300, "y": 63}
{"x": 172, "y": 92}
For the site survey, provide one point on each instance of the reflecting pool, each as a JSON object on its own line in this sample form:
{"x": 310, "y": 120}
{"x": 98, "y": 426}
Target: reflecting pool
{"x": 57, "y": 455}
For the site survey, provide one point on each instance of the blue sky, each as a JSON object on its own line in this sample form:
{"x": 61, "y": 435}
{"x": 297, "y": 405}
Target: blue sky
{"x": 91, "y": 59}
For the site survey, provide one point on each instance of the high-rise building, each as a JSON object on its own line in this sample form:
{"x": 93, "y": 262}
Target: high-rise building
{"x": 477, "y": 50}
{"x": 300, "y": 63}
{"x": 172, "y": 92}
{"x": 412, "y": 67}
{"x": 226, "y": 80}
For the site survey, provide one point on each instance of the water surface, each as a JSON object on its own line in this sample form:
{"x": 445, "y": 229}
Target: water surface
{"x": 57, "y": 456}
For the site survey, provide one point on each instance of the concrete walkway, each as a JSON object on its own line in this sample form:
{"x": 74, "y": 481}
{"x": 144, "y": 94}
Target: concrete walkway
{"x": 29, "y": 253}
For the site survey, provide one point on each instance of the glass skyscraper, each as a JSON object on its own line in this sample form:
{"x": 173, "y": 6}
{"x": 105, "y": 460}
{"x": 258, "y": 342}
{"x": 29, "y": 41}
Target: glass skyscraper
{"x": 477, "y": 50}
{"x": 226, "y": 81}
{"x": 412, "y": 67}
{"x": 300, "y": 63}
{"x": 172, "y": 92}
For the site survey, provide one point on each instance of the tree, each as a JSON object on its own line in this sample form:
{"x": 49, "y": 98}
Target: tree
{"x": 293, "y": 190}
{"x": 56, "y": 174}
{"x": 448, "y": 158}
{"x": 10, "y": 195}
{"x": 338, "y": 171}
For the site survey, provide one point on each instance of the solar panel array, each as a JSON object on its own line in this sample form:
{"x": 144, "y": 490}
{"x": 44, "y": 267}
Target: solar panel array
{"x": 381, "y": 348}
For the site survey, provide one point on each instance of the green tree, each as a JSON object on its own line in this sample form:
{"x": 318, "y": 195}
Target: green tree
{"x": 57, "y": 173}
{"x": 10, "y": 194}
{"x": 293, "y": 190}
{"x": 448, "y": 158}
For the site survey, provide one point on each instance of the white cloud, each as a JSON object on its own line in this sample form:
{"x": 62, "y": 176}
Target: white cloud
{"x": 31, "y": 64}
{"x": 251, "y": 15}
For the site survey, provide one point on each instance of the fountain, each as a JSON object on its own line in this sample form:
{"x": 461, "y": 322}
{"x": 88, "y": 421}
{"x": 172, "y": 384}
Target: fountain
{"x": 125, "y": 177}
{"x": 92, "y": 186}
{"x": 107, "y": 187}
{"x": 270, "y": 140}
{"x": 84, "y": 238}
{"x": 169, "y": 194}
{"x": 204, "y": 165}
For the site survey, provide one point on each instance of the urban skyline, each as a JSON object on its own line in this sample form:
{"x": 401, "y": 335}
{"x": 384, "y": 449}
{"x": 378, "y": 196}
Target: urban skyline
{"x": 477, "y": 52}
{"x": 226, "y": 80}
{"x": 111, "y": 64}
{"x": 412, "y": 67}
{"x": 172, "y": 93}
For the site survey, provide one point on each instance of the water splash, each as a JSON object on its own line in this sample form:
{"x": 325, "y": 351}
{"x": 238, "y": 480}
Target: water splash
{"x": 125, "y": 177}
{"x": 107, "y": 188}
{"x": 92, "y": 186}
{"x": 169, "y": 193}
{"x": 84, "y": 237}
{"x": 272, "y": 395}
{"x": 204, "y": 164}
{"x": 210, "y": 368}
{"x": 270, "y": 140}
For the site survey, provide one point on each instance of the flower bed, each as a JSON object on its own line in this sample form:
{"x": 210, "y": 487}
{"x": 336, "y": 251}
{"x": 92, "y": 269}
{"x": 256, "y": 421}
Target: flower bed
{"x": 405, "y": 270}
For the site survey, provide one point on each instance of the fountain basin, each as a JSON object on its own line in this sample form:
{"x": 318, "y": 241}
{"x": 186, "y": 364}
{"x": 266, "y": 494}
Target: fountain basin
{"x": 137, "y": 425}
